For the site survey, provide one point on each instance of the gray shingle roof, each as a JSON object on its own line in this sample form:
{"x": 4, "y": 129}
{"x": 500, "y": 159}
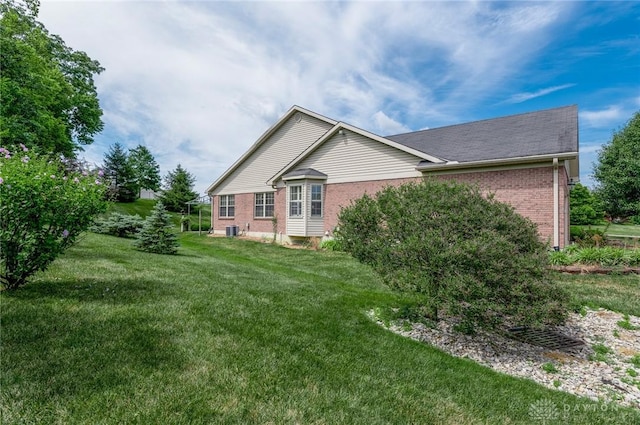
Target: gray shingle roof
{"x": 535, "y": 133}
{"x": 305, "y": 172}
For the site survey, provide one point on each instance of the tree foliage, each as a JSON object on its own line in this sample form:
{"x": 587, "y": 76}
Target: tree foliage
{"x": 178, "y": 189}
{"x": 49, "y": 99}
{"x": 157, "y": 234}
{"x": 585, "y": 207}
{"x": 146, "y": 170}
{"x": 118, "y": 170}
{"x": 44, "y": 206}
{"x": 618, "y": 171}
{"x": 117, "y": 224}
{"x": 461, "y": 253}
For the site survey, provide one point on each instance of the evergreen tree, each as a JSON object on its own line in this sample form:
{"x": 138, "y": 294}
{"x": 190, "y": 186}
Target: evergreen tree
{"x": 178, "y": 189}
{"x": 157, "y": 235}
{"x": 145, "y": 168}
{"x": 118, "y": 171}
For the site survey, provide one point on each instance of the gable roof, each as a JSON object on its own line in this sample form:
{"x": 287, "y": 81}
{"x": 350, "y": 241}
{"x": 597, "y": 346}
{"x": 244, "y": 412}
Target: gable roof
{"x": 424, "y": 156}
{"x": 551, "y": 131}
{"x": 294, "y": 109}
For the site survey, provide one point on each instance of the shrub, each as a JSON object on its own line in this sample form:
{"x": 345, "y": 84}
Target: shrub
{"x": 204, "y": 227}
{"x": 588, "y": 237}
{"x": 157, "y": 234}
{"x": 633, "y": 257}
{"x": 560, "y": 258}
{"x": 44, "y": 206}
{"x": 331, "y": 245}
{"x": 117, "y": 224}
{"x": 461, "y": 252}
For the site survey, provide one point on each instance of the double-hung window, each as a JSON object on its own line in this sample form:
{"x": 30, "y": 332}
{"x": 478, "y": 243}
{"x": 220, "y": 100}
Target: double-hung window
{"x": 295, "y": 201}
{"x": 227, "y": 206}
{"x": 316, "y": 200}
{"x": 264, "y": 205}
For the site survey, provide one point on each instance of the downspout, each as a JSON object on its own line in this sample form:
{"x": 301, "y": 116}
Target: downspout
{"x": 556, "y": 205}
{"x": 211, "y": 229}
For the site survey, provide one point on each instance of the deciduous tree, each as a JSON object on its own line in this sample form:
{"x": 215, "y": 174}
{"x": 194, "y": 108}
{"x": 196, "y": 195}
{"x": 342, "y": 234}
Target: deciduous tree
{"x": 585, "y": 206}
{"x": 49, "y": 100}
{"x": 146, "y": 170}
{"x": 618, "y": 171}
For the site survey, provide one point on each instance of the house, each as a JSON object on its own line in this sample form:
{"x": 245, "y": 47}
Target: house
{"x": 293, "y": 181}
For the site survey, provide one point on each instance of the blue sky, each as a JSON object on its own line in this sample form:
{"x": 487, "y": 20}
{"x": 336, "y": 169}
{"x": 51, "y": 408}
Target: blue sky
{"x": 199, "y": 82}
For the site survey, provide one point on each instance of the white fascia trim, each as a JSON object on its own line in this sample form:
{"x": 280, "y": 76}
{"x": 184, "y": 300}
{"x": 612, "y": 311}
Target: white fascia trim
{"x": 340, "y": 126}
{"x": 265, "y": 136}
{"x": 303, "y": 177}
{"x": 492, "y": 162}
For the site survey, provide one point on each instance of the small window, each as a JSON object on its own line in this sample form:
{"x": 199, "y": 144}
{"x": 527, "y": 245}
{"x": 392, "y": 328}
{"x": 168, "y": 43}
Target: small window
{"x": 227, "y": 206}
{"x": 316, "y": 200}
{"x": 295, "y": 201}
{"x": 264, "y": 205}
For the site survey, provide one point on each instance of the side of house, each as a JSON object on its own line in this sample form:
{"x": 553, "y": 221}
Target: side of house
{"x": 294, "y": 180}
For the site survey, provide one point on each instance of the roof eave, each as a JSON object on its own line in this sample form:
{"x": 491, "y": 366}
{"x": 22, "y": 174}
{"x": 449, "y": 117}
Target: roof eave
{"x": 453, "y": 165}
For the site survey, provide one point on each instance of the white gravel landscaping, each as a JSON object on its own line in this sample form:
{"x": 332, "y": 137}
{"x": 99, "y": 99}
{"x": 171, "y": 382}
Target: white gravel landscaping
{"x": 606, "y": 368}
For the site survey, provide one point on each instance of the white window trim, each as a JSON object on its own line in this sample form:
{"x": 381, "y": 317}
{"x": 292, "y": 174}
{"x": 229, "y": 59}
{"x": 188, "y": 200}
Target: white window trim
{"x": 225, "y": 205}
{"x": 312, "y": 201}
{"x": 264, "y": 204}
{"x": 298, "y": 201}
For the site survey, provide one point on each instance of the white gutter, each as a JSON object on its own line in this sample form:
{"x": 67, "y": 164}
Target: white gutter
{"x": 556, "y": 205}
{"x": 501, "y": 161}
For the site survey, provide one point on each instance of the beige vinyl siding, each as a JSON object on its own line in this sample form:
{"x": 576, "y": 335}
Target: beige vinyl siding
{"x": 352, "y": 157}
{"x": 276, "y": 152}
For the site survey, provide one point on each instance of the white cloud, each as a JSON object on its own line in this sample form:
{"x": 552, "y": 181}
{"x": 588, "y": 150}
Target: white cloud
{"x": 604, "y": 117}
{"x": 523, "y": 97}
{"x": 386, "y": 126}
{"x": 198, "y": 82}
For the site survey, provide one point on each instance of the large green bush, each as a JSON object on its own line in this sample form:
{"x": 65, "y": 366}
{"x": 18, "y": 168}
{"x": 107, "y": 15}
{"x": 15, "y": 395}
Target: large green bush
{"x": 44, "y": 206}
{"x": 462, "y": 253}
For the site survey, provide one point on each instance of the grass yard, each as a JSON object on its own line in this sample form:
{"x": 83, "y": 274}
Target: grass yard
{"x": 238, "y": 332}
{"x": 619, "y": 293}
{"x": 143, "y": 207}
{"x": 627, "y": 233}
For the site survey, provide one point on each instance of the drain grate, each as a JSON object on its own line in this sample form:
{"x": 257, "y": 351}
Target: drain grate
{"x": 544, "y": 338}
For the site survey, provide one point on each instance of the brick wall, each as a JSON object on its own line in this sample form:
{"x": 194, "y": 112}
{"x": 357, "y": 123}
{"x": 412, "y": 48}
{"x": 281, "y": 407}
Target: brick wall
{"x": 340, "y": 195}
{"x": 528, "y": 190}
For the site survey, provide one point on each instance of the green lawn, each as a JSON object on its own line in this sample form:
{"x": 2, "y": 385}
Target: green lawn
{"x": 619, "y": 293}
{"x": 143, "y": 207}
{"x": 238, "y": 332}
{"x": 624, "y": 230}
